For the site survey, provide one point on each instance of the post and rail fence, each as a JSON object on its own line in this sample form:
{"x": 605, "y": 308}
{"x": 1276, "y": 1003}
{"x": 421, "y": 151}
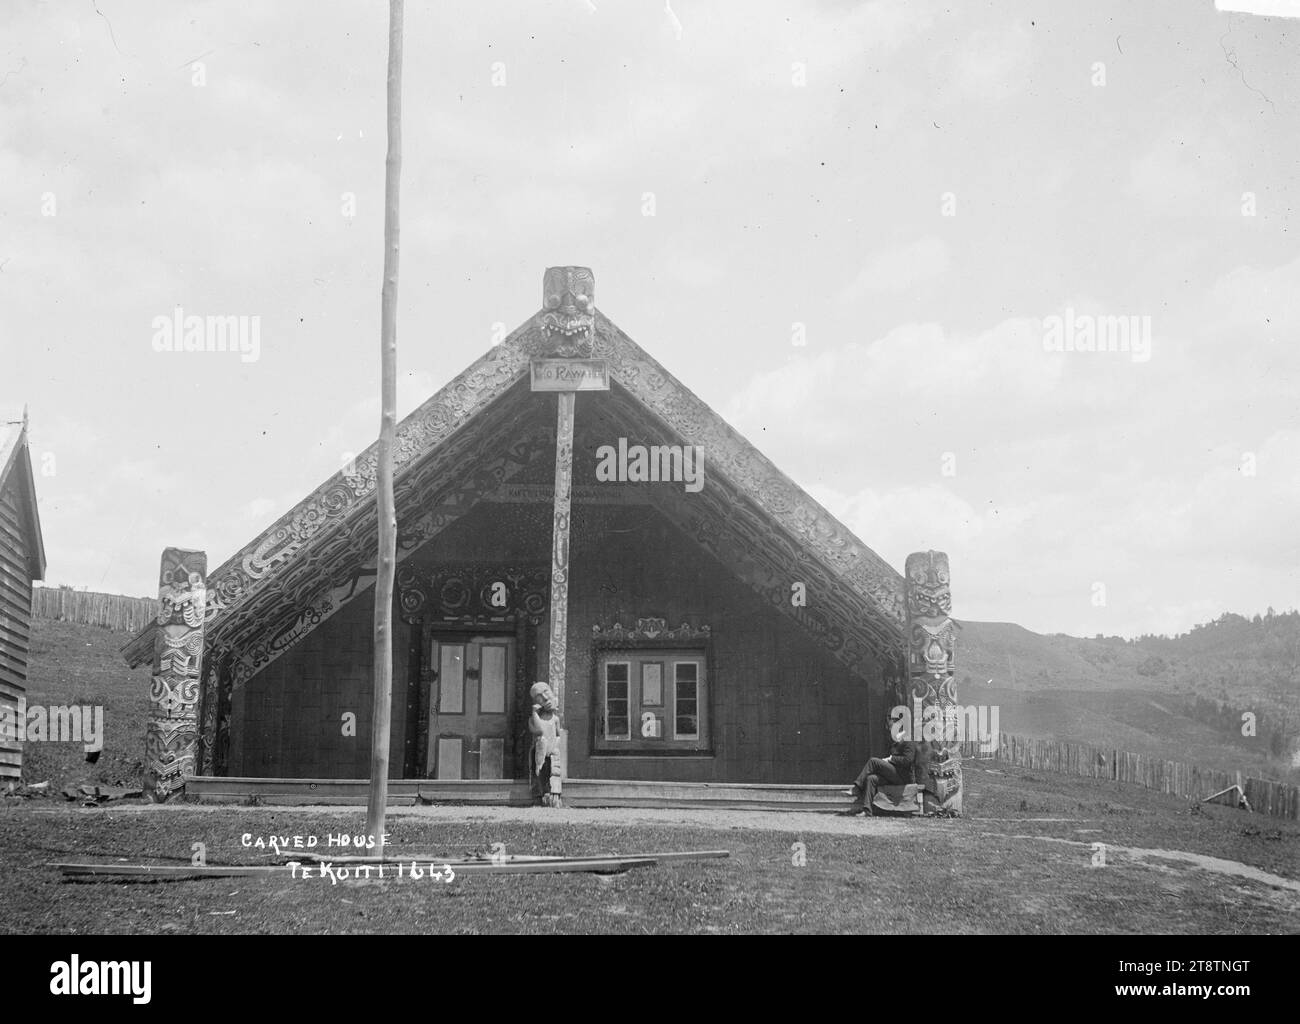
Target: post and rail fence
{"x": 1278, "y": 799}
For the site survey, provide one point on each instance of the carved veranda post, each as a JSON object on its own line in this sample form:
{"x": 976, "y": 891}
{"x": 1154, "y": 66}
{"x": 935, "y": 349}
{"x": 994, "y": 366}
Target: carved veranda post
{"x": 172, "y": 729}
{"x": 568, "y": 318}
{"x": 930, "y": 668}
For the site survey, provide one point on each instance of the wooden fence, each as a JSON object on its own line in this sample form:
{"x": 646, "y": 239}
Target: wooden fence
{"x": 112, "y": 611}
{"x": 1279, "y": 799}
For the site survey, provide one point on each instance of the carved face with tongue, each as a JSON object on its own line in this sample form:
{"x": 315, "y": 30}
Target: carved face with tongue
{"x": 569, "y": 298}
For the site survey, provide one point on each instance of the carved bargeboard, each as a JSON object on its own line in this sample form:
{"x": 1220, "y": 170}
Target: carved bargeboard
{"x": 280, "y": 587}
{"x": 327, "y": 579}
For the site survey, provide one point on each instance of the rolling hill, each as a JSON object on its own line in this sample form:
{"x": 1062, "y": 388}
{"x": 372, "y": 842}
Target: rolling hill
{"x": 1184, "y": 698}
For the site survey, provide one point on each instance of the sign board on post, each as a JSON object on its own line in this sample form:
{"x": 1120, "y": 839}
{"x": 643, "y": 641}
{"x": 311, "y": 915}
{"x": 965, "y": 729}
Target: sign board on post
{"x": 570, "y": 375}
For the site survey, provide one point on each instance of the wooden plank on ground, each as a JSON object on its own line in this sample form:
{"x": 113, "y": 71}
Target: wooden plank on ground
{"x": 598, "y": 865}
{"x": 517, "y": 858}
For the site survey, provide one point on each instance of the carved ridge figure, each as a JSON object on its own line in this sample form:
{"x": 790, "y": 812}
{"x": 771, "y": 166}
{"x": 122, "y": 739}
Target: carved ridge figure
{"x": 569, "y": 296}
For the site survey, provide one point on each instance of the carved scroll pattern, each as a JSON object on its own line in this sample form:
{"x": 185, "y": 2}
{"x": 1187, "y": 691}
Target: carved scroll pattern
{"x": 560, "y": 544}
{"x": 172, "y": 729}
{"x": 931, "y": 664}
{"x": 649, "y": 632}
{"x": 467, "y": 593}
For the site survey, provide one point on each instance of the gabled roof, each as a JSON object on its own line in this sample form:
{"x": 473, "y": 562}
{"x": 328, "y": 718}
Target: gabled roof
{"x": 16, "y": 470}
{"x": 320, "y": 554}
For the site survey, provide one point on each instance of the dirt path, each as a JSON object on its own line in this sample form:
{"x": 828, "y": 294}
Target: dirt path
{"x": 1218, "y": 865}
{"x": 766, "y": 821}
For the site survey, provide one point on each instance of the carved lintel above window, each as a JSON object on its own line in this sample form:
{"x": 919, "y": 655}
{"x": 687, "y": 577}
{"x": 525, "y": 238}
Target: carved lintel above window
{"x": 649, "y": 633}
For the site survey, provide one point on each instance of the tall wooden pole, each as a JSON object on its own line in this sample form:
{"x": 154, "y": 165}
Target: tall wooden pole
{"x": 557, "y": 662}
{"x": 387, "y": 564}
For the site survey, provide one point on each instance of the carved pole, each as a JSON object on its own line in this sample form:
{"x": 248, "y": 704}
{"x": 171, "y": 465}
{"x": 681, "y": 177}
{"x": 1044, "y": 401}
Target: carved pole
{"x": 172, "y": 729}
{"x": 381, "y": 723}
{"x": 559, "y": 647}
{"x": 930, "y": 675}
{"x": 568, "y": 323}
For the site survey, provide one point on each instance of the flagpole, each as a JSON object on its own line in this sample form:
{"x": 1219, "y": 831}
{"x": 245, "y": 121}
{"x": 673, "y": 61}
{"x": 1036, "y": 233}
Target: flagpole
{"x": 381, "y": 725}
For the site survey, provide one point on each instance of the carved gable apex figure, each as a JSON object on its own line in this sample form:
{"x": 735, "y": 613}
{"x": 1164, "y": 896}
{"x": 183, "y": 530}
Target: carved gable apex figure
{"x": 569, "y": 301}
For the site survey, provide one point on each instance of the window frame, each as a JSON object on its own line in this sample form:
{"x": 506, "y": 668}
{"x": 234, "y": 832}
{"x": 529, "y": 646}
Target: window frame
{"x": 668, "y": 744}
{"x": 677, "y": 697}
{"x": 662, "y": 702}
{"x": 604, "y": 701}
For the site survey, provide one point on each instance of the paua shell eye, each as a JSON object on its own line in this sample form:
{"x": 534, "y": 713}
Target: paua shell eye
{"x": 584, "y": 301}
{"x": 552, "y": 302}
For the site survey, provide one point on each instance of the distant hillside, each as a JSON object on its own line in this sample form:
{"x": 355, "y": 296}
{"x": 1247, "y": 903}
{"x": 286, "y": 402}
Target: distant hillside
{"x": 1182, "y": 697}
{"x": 1014, "y": 658}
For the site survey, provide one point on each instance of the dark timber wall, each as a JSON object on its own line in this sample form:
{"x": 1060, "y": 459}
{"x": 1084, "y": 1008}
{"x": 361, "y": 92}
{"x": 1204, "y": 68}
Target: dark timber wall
{"x": 783, "y": 709}
{"x": 287, "y": 722}
{"x": 15, "y": 615}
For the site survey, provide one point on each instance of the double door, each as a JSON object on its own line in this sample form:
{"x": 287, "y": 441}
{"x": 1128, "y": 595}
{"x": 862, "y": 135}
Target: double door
{"x": 468, "y": 705}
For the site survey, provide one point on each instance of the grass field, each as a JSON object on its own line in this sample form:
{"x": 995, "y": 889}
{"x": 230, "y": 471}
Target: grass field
{"x": 1003, "y": 868}
{"x": 76, "y": 664}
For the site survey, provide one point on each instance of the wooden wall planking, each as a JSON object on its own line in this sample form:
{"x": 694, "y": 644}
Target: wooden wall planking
{"x": 15, "y": 618}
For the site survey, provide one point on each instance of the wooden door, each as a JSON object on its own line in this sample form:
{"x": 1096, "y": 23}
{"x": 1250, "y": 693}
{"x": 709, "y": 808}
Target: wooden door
{"x": 469, "y": 707}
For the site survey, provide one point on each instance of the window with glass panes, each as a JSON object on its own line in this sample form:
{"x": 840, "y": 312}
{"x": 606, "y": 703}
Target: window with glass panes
{"x": 651, "y": 700}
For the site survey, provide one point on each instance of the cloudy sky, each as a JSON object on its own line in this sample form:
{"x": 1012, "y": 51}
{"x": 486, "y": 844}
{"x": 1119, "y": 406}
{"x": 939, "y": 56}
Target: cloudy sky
{"x": 846, "y": 226}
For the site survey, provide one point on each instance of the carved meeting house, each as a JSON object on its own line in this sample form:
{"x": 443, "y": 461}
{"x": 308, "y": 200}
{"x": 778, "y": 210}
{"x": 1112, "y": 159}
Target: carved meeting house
{"x": 731, "y": 633}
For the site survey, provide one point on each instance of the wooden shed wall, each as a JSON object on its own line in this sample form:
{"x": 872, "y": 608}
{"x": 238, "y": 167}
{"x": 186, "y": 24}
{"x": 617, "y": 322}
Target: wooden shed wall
{"x": 15, "y": 616}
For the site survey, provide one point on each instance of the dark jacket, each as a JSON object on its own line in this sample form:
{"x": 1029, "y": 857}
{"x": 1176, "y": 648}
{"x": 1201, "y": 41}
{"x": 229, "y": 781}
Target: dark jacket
{"x": 904, "y": 757}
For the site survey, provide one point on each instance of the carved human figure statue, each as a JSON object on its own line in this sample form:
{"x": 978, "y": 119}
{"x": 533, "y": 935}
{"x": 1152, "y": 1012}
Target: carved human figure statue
{"x": 544, "y": 723}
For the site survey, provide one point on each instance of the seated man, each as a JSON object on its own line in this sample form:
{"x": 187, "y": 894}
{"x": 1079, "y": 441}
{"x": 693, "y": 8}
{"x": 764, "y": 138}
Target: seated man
{"x": 895, "y": 770}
